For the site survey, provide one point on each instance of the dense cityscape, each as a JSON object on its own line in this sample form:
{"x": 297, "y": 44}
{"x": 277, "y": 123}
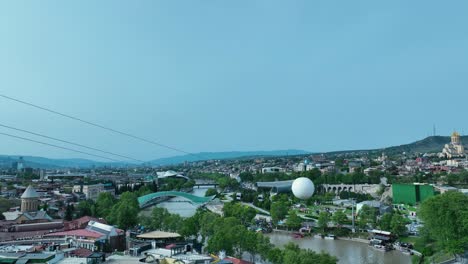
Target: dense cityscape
{"x": 233, "y": 132}
{"x": 243, "y": 210}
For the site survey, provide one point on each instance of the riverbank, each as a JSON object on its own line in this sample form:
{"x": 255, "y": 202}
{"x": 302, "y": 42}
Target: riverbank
{"x": 354, "y": 250}
{"x": 353, "y": 239}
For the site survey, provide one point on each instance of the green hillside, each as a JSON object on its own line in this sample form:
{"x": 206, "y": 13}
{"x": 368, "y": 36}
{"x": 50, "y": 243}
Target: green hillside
{"x": 427, "y": 145}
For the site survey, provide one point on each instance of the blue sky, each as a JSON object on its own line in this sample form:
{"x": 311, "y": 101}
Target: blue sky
{"x": 234, "y": 75}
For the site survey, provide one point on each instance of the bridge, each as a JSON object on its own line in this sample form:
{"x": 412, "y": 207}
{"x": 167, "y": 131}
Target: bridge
{"x": 153, "y": 198}
{"x": 358, "y": 188}
{"x": 204, "y": 183}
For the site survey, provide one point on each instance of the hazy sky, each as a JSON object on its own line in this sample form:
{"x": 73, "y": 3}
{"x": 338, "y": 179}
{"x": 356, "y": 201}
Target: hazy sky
{"x": 233, "y": 75}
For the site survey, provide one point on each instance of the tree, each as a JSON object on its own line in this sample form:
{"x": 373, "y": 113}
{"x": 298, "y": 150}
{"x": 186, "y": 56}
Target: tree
{"x": 398, "y": 225}
{"x": 293, "y": 221}
{"x": 244, "y": 213}
{"x": 190, "y": 227}
{"x": 275, "y": 255}
{"x": 323, "y": 220}
{"x": 104, "y": 204}
{"x": 292, "y": 254}
{"x": 6, "y": 204}
{"x": 69, "y": 213}
{"x": 248, "y": 243}
{"x": 246, "y": 177}
{"x": 158, "y": 215}
{"x": 385, "y": 222}
{"x": 227, "y": 183}
{"x": 86, "y": 208}
{"x": 125, "y": 212}
{"x": 126, "y": 215}
{"x": 278, "y": 211}
{"x": 226, "y": 236}
{"x": 144, "y": 190}
{"x": 339, "y": 218}
{"x": 446, "y": 220}
{"x": 207, "y": 224}
{"x": 367, "y": 216}
{"x": 211, "y": 192}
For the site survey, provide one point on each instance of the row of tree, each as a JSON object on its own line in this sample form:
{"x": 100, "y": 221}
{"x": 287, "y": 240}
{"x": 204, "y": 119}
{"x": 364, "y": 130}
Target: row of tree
{"x": 122, "y": 212}
{"x": 230, "y": 234}
{"x": 445, "y": 219}
{"x": 224, "y": 182}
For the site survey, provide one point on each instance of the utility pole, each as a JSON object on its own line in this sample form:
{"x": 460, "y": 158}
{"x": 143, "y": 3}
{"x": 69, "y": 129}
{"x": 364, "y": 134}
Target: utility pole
{"x": 352, "y": 214}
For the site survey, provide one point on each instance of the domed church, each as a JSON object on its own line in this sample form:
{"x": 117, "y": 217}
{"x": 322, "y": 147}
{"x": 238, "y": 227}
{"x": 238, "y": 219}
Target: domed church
{"x": 30, "y": 200}
{"x": 455, "y": 149}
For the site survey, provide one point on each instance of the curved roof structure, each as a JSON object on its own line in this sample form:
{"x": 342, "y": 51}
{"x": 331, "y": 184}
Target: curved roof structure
{"x": 197, "y": 200}
{"x": 158, "y": 235}
{"x": 277, "y": 186}
{"x": 30, "y": 193}
{"x": 169, "y": 173}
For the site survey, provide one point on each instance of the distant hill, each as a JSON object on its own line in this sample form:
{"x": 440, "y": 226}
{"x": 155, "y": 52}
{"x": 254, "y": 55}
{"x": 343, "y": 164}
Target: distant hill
{"x": 46, "y": 163}
{"x": 427, "y": 145}
{"x": 225, "y": 155}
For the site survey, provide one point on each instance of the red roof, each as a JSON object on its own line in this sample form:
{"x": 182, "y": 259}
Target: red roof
{"x": 81, "y": 253}
{"x": 170, "y": 246}
{"x": 78, "y": 233}
{"x": 82, "y": 222}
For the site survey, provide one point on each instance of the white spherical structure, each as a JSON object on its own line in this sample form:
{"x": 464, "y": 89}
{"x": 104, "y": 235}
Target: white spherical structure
{"x": 303, "y": 188}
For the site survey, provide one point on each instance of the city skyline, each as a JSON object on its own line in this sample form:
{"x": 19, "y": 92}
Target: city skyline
{"x": 311, "y": 76}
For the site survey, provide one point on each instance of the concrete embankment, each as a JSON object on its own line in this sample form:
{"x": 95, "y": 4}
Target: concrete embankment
{"x": 355, "y": 239}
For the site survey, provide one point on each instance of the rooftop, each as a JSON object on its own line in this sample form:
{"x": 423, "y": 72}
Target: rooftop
{"x": 107, "y": 230}
{"x": 158, "y": 235}
{"x": 78, "y": 233}
{"x": 30, "y": 192}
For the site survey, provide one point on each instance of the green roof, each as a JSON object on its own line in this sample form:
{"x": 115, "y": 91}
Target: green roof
{"x": 198, "y": 200}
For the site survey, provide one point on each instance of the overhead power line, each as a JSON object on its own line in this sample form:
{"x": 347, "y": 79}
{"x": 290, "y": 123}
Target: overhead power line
{"x": 71, "y": 143}
{"x": 60, "y": 147}
{"x": 97, "y": 125}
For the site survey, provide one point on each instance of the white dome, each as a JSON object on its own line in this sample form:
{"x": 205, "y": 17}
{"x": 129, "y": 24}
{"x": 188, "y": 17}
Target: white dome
{"x": 303, "y": 188}
{"x": 30, "y": 193}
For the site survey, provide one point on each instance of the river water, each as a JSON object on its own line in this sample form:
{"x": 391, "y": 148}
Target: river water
{"x": 345, "y": 251}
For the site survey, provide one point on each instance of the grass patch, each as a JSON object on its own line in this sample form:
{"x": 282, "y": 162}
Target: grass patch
{"x": 411, "y": 240}
{"x": 439, "y": 257}
{"x": 415, "y": 259}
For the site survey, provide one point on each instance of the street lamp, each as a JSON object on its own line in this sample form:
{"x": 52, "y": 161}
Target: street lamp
{"x": 353, "y": 202}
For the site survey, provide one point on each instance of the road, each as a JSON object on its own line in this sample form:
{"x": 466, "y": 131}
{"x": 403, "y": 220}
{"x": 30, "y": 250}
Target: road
{"x": 256, "y": 208}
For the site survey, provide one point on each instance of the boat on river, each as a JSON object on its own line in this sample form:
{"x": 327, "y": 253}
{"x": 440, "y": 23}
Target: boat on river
{"x": 297, "y": 235}
{"x": 382, "y": 248}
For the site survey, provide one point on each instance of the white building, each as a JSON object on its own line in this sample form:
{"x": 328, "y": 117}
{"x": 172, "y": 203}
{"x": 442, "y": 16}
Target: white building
{"x": 92, "y": 191}
{"x": 303, "y": 166}
{"x": 272, "y": 170}
{"x": 455, "y": 148}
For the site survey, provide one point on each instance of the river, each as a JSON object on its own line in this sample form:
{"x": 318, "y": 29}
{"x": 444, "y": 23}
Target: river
{"x": 345, "y": 251}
